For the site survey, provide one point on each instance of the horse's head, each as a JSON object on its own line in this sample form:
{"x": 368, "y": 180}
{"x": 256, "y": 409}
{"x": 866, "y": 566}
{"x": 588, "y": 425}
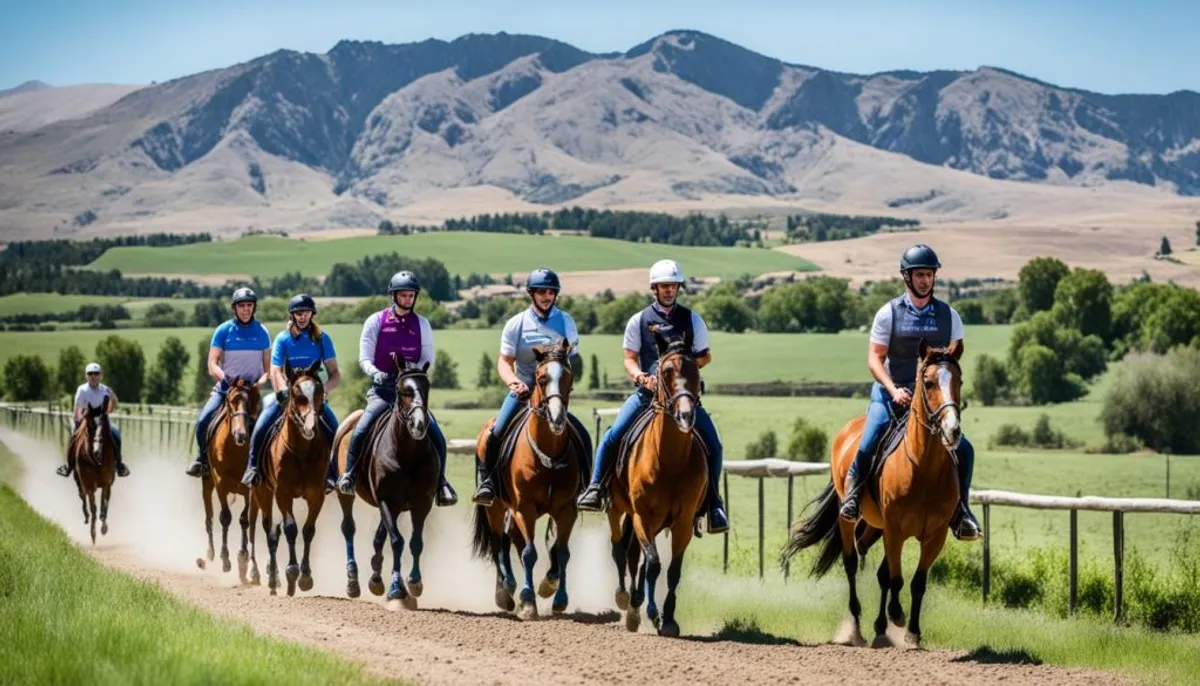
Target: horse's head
{"x": 939, "y": 384}
{"x": 97, "y": 429}
{"x": 412, "y": 396}
{"x": 552, "y": 383}
{"x": 678, "y": 389}
{"x": 306, "y": 397}
{"x": 237, "y": 405}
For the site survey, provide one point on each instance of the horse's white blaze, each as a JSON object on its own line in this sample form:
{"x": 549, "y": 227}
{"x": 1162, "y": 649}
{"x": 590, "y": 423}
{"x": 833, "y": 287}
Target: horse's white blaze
{"x": 555, "y": 407}
{"x": 951, "y": 431}
{"x": 418, "y": 420}
{"x": 685, "y": 409}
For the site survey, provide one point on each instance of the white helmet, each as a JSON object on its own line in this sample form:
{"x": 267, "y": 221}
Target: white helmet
{"x": 666, "y": 271}
{"x": 91, "y": 368}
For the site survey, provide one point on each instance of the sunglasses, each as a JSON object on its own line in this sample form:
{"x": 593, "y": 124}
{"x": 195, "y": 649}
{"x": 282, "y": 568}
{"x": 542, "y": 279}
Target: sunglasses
{"x": 93, "y": 373}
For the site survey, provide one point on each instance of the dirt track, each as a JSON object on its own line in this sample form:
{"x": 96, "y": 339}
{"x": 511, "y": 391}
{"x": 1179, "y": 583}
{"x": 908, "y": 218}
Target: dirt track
{"x": 440, "y": 646}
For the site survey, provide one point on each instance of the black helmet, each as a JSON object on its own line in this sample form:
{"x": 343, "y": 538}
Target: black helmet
{"x": 300, "y": 302}
{"x": 404, "y": 281}
{"x": 543, "y": 278}
{"x": 243, "y": 295}
{"x": 920, "y": 256}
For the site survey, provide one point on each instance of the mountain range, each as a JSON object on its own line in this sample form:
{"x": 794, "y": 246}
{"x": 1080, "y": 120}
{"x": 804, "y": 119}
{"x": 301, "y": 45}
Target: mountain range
{"x": 498, "y": 121}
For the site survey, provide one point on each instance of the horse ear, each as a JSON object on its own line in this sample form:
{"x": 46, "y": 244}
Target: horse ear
{"x": 922, "y": 348}
{"x": 661, "y": 343}
{"x": 538, "y": 353}
{"x": 425, "y": 368}
{"x": 314, "y": 369}
{"x": 288, "y": 371}
{"x": 955, "y": 350}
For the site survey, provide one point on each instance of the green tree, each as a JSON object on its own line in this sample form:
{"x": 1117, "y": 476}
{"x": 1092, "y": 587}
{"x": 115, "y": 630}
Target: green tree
{"x": 1156, "y": 399}
{"x": 971, "y": 311}
{"x": 69, "y": 372}
{"x": 1037, "y": 282}
{"x": 1174, "y": 321}
{"x": 163, "y": 316}
{"x": 26, "y": 377}
{"x": 486, "y": 376}
{"x": 612, "y": 317}
{"x": 990, "y": 379}
{"x": 163, "y": 381}
{"x": 1083, "y": 301}
{"x": 726, "y": 313}
{"x": 1042, "y": 378}
{"x": 209, "y": 313}
{"x": 808, "y": 442}
{"x": 445, "y": 371}
{"x": 594, "y": 374}
{"x": 124, "y": 366}
{"x": 202, "y": 383}
{"x": 1164, "y": 248}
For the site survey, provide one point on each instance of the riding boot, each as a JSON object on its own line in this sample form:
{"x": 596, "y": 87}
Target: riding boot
{"x": 964, "y": 526}
{"x": 855, "y": 478}
{"x": 251, "y": 478}
{"x": 122, "y": 470}
{"x": 485, "y": 493}
{"x": 718, "y": 521}
{"x": 199, "y": 466}
{"x": 345, "y": 485}
{"x": 331, "y": 475}
{"x": 445, "y": 493}
{"x": 592, "y": 498}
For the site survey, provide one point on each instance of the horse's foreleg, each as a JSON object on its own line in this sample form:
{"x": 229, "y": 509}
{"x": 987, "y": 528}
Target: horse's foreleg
{"x": 416, "y": 545}
{"x": 263, "y": 497}
{"x": 347, "y": 502}
{"x": 681, "y": 536}
{"x": 105, "y": 492}
{"x": 396, "y": 590}
{"x": 890, "y": 584}
{"x": 930, "y": 549}
{"x": 652, "y": 566}
{"x": 375, "y": 584}
{"x": 243, "y": 551}
{"x": 526, "y": 520}
{"x": 226, "y": 520}
{"x": 850, "y": 564}
{"x": 637, "y": 578}
{"x": 252, "y": 505}
{"x": 92, "y": 508}
{"x": 290, "y": 530}
{"x": 564, "y": 523}
{"x": 206, "y": 492}
{"x": 500, "y": 545}
{"x": 620, "y": 529}
{"x": 315, "y": 500}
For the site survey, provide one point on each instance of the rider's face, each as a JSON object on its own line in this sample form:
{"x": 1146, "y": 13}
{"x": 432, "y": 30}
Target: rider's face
{"x": 544, "y": 298}
{"x": 405, "y": 299}
{"x": 922, "y": 281}
{"x": 303, "y": 318}
{"x": 93, "y": 379}
{"x": 244, "y": 311}
{"x": 666, "y": 293}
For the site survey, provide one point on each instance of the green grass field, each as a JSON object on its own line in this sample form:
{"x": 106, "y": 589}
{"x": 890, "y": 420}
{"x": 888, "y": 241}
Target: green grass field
{"x": 462, "y": 253}
{"x": 55, "y": 303}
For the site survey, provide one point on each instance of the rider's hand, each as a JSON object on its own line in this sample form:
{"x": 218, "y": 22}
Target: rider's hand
{"x": 519, "y": 388}
{"x": 901, "y": 396}
{"x": 648, "y": 381}
{"x": 379, "y": 378}
{"x": 281, "y": 396}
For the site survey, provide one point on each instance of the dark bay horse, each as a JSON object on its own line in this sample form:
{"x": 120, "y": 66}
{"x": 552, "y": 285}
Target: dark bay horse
{"x": 228, "y": 451}
{"x": 661, "y": 487}
{"x": 917, "y": 496}
{"x": 294, "y": 464}
{"x": 94, "y": 455}
{"x": 542, "y": 477}
{"x": 399, "y": 468}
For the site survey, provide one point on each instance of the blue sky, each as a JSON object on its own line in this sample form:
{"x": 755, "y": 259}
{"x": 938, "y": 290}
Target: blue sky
{"x": 1148, "y": 46}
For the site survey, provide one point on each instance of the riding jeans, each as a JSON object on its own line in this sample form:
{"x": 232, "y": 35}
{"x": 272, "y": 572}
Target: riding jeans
{"x": 112, "y": 431}
{"x": 206, "y": 415}
{"x": 379, "y": 401}
{"x": 270, "y": 414}
{"x": 508, "y": 410}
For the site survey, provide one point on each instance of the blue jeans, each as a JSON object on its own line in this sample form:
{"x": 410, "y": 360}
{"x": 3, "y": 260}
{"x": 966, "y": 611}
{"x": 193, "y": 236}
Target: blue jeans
{"x": 116, "y": 436}
{"x": 379, "y": 401}
{"x": 206, "y": 415}
{"x": 270, "y": 413}
{"x": 634, "y": 405}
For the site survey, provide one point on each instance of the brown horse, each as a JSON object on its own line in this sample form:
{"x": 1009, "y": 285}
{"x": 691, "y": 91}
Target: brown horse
{"x": 294, "y": 465}
{"x": 542, "y": 477}
{"x": 917, "y": 496}
{"x": 94, "y": 455}
{"x": 400, "y": 473}
{"x": 661, "y": 486}
{"x": 228, "y": 451}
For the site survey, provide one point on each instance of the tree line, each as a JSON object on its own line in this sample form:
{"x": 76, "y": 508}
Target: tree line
{"x": 836, "y": 227}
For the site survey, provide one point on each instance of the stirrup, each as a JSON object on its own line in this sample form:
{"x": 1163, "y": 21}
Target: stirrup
{"x": 251, "y": 478}
{"x": 63, "y": 471}
{"x": 446, "y": 496}
{"x": 197, "y": 468}
{"x": 122, "y": 470}
{"x": 964, "y": 527}
{"x": 485, "y": 495}
{"x": 346, "y": 485}
{"x": 592, "y": 499}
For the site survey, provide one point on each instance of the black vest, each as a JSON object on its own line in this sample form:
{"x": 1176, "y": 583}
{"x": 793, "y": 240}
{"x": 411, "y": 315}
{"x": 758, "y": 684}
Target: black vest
{"x": 677, "y": 324}
{"x": 907, "y": 331}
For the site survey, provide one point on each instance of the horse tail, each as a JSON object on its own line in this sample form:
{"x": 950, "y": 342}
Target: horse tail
{"x": 482, "y": 538}
{"x": 820, "y": 527}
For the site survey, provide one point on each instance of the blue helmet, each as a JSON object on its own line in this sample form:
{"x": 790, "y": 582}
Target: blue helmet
{"x": 302, "y": 301}
{"x": 404, "y": 281}
{"x": 543, "y": 278}
{"x": 920, "y": 256}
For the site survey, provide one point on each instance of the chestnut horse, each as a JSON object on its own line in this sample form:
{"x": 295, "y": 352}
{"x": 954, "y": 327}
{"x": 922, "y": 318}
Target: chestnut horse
{"x": 917, "y": 496}
{"x": 661, "y": 486}
{"x": 398, "y": 471}
{"x": 94, "y": 455}
{"x": 294, "y": 465}
{"x": 542, "y": 477}
{"x": 228, "y": 451}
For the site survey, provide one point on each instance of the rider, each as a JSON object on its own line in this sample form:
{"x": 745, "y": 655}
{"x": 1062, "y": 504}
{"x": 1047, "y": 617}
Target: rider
{"x": 299, "y": 346}
{"x": 401, "y": 331}
{"x": 541, "y": 325}
{"x": 641, "y": 363}
{"x": 90, "y": 395}
{"x": 240, "y": 349}
{"x": 892, "y": 358}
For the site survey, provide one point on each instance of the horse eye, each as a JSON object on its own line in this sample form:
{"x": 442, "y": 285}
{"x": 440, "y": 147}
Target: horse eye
{"x": 930, "y": 384}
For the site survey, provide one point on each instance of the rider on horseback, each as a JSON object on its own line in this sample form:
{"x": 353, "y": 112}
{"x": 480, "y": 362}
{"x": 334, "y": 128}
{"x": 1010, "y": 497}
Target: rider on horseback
{"x": 541, "y": 325}
{"x": 299, "y": 346}
{"x": 893, "y": 359}
{"x": 399, "y": 331}
{"x": 90, "y": 395}
{"x": 240, "y": 349}
{"x": 641, "y": 363}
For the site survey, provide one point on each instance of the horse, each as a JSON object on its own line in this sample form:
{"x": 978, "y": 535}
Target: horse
{"x": 398, "y": 471}
{"x": 917, "y": 497}
{"x": 94, "y": 455}
{"x": 294, "y": 465}
{"x": 541, "y": 479}
{"x": 228, "y": 451}
{"x": 661, "y": 486}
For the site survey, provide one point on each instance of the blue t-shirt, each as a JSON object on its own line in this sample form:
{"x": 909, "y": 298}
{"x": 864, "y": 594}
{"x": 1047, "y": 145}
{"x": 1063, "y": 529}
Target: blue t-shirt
{"x": 301, "y": 351}
{"x": 243, "y": 346}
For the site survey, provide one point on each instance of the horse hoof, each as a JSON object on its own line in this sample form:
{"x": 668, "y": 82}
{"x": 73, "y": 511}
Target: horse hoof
{"x": 291, "y": 588}
{"x": 409, "y": 602}
{"x": 416, "y": 588}
{"x": 622, "y": 598}
{"x": 912, "y": 641}
{"x": 306, "y": 583}
{"x": 881, "y": 641}
{"x": 201, "y": 563}
{"x": 396, "y": 591}
{"x": 292, "y": 572}
{"x": 633, "y": 619}
{"x": 669, "y": 629}
{"x": 273, "y": 591}
{"x": 255, "y": 579}
{"x": 547, "y": 587}
{"x": 104, "y": 530}
{"x": 504, "y": 600}
{"x": 559, "y": 608}
{"x": 897, "y": 619}
{"x": 528, "y": 611}
{"x": 226, "y": 565}
{"x": 375, "y": 585}
{"x": 352, "y": 589}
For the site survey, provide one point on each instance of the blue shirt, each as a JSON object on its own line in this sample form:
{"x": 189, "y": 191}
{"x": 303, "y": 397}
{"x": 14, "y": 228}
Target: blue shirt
{"x": 243, "y": 347}
{"x": 301, "y": 351}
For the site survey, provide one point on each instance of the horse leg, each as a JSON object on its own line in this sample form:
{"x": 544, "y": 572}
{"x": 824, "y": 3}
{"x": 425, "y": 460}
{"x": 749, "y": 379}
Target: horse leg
{"x": 243, "y": 552}
{"x": 105, "y": 492}
{"x": 681, "y": 537}
{"x": 226, "y": 520}
{"x": 850, "y": 564}
{"x": 652, "y": 567}
{"x": 548, "y": 586}
{"x": 347, "y": 502}
{"x": 292, "y": 572}
{"x": 315, "y": 500}
{"x": 92, "y": 509}
{"x": 262, "y": 496}
{"x": 375, "y": 583}
{"x": 206, "y": 492}
{"x": 396, "y": 590}
{"x": 252, "y": 505}
{"x": 620, "y": 529}
{"x": 501, "y": 545}
{"x": 416, "y": 546}
{"x": 637, "y": 578}
{"x": 564, "y": 523}
{"x": 890, "y": 582}
{"x": 526, "y": 521}
{"x": 931, "y": 547}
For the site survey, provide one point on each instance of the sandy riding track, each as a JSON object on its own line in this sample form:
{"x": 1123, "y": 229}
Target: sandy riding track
{"x": 457, "y": 638}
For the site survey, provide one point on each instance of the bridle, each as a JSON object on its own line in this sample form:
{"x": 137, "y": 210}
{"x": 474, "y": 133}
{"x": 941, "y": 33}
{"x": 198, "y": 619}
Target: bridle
{"x": 667, "y": 405}
{"x": 933, "y": 419}
{"x": 404, "y": 414}
{"x": 542, "y": 409}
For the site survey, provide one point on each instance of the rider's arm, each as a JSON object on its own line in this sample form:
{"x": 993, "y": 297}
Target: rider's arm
{"x": 266, "y": 353}
{"x": 510, "y": 338}
{"x": 573, "y": 358}
{"x": 214, "y": 364}
{"x": 504, "y": 367}
{"x": 335, "y": 376}
{"x": 632, "y": 343}
{"x": 428, "y": 352}
{"x": 112, "y": 401}
{"x": 633, "y": 366}
{"x": 278, "y": 382}
{"x": 79, "y": 404}
{"x": 700, "y": 345}
{"x": 876, "y": 362}
{"x": 366, "y": 346}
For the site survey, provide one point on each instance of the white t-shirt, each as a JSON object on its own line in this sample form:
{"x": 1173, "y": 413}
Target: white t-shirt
{"x": 881, "y": 328}
{"x": 525, "y": 330}
{"x": 633, "y": 333}
{"x": 91, "y": 397}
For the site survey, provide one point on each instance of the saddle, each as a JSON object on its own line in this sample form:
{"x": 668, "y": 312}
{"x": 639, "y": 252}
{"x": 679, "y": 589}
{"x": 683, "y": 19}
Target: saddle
{"x": 516, "y": 432}
{"x": 891, "y": 439}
